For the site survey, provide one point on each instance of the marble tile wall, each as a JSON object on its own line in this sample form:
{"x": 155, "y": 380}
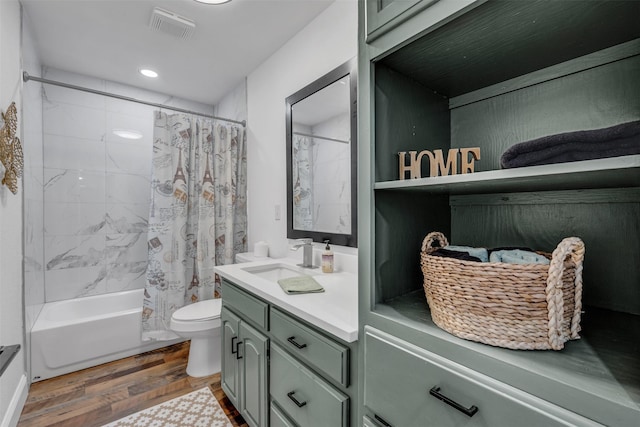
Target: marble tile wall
{"x": 97, "y": 186}
{"x": 331, "y": 176}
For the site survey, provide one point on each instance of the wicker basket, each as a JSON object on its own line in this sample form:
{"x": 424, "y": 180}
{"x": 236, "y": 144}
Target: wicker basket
{"x": 517, "y": 306}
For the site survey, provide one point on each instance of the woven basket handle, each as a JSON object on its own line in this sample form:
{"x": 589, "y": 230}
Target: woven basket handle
{"x": 434, "y": 236}
{"x": 573, "y": 247}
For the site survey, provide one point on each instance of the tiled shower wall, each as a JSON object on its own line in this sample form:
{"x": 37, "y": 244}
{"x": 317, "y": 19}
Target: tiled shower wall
{"x": 97, "y": 186}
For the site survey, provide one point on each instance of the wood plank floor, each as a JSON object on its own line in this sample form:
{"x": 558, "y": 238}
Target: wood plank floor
{"x": 96, "y": 396}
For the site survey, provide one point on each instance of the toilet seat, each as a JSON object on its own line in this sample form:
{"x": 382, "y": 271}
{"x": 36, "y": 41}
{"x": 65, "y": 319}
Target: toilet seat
{"x": 201, "y": 310}
{"x": 201, "y": 316}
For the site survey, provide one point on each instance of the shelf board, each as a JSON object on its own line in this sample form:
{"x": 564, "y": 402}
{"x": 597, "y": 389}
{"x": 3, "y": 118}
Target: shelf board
{"x": 603, "y": 364}
{"x": 615, "y": 172}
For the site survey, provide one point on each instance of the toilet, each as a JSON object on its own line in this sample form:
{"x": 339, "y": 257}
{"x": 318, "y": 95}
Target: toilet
{"x": 200, "y": 322}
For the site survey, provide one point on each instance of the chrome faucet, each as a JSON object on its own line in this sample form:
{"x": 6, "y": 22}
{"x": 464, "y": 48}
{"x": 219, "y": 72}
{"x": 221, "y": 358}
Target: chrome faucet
{"x": 307, "y": 251}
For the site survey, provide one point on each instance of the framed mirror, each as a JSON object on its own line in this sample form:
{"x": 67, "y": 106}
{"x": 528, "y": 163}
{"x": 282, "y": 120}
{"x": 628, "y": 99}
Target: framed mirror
{"x": 322, "y": 159}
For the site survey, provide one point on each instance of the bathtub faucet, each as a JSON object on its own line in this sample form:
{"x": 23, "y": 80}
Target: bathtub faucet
{"x": 307, "y": 251}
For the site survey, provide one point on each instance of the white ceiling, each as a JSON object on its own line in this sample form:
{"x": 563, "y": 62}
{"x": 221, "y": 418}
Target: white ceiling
{"x": 111, "y": 39}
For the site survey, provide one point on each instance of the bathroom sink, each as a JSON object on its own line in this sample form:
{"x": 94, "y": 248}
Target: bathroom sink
{"x": 275, "y": 272}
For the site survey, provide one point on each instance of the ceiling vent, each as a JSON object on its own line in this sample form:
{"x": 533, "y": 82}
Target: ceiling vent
{"x": 170, "y": 23}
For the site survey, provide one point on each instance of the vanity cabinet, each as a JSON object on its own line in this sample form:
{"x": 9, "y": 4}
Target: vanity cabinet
{"x": 491, "y": 74}
{"x": 279, "y": 370}
{"x": 245, "y": 353}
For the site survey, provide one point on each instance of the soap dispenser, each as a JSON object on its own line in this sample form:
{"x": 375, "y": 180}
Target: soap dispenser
{"x": 327, "y": 259}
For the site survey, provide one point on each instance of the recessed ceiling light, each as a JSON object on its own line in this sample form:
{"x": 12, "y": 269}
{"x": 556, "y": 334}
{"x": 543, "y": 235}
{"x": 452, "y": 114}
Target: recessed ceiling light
{"x": 127, "y": 133}
{"x": 213, "y": 1}
{"x": 148, "y": 73}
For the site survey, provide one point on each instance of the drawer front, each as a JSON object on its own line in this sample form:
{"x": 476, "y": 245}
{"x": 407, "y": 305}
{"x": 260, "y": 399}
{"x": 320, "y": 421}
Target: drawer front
{"x": 329, "y": 357}
{"x": 423, "y": 382}
{"x": 278, "y": 418}
{"x": 305, "y": 397}
{"x": 248, "y": 306}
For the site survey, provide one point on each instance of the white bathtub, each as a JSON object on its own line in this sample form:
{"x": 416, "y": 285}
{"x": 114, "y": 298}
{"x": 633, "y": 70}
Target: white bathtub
{"x": 83, "y": 332}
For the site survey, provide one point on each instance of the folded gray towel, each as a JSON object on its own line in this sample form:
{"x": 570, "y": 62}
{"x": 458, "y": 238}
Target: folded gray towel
{"x": 614, "y": 141}
{"x": 300, "y": 285}
{"x": 517, "y": 256}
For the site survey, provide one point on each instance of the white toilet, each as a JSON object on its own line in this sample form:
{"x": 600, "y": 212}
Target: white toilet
{"x": 200, "y": 322}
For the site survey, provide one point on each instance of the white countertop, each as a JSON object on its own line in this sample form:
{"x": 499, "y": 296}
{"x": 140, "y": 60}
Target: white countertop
{"x": 335, "y": 310}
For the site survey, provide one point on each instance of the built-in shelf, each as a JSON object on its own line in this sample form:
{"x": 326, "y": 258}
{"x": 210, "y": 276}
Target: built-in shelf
{"x": 615, "y": 172}
{"x": 600, "y": 365}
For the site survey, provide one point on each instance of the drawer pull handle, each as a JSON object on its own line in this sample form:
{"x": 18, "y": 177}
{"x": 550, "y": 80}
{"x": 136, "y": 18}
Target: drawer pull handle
{"x": 292, "y": 340}
{"x": 435, "y": 392}
{"x": 238, "y": 350}
{"x": 298, "y": 404}
{"x": 234, "y": 349}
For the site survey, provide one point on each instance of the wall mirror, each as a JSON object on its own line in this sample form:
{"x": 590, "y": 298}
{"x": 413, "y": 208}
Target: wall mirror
{"x": 322, "y": 159}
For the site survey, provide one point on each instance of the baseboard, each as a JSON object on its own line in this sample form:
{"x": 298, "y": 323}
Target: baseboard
{"x": 18, "y": 400}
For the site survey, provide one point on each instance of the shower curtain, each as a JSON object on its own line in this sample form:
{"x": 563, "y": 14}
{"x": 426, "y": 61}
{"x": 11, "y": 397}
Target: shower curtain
{"x": 302, "y": 178}
{"x": 198, "y": 214}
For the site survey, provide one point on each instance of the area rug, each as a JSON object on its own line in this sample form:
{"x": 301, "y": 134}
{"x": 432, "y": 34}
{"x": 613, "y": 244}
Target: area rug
{"x": 197, "y": 409}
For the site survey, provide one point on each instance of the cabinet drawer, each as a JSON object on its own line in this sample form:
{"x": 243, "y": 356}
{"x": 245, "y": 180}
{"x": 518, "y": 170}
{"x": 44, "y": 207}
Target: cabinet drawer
{"x": 278, "y": 418}
{"x": 305, "y": 397}
{"x": 250, "y": 307}
{"x": 315, "y": 349}
{"x": 416, "y": 373}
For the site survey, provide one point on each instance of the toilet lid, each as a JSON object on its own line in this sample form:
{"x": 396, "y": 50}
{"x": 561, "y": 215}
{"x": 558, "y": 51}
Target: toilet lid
{"x": 201, "y": 310}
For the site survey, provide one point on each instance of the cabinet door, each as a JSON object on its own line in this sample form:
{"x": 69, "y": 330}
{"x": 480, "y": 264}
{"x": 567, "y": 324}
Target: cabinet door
{"x": 253, "y": 348}
{"x": 230, "y": 378}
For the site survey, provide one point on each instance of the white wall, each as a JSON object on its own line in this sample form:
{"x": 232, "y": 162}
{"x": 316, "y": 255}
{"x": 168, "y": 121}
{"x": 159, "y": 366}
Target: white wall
{"x": 13, "y": 384}
{"x": 33, "y": 219}
{"x": 324, "y": 44}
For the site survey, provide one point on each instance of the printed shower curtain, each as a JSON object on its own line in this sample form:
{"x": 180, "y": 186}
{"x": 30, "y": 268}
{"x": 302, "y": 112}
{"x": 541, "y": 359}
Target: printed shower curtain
{"x": 198, "y": 214}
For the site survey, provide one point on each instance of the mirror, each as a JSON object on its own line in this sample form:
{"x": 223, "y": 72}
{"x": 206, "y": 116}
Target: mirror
{"x": 322, "y": 158}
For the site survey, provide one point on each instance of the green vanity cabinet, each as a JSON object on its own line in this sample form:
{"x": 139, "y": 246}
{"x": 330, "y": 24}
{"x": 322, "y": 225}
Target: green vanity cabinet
{"x": 492, "y": 74}
{"x": 281, "y": 371}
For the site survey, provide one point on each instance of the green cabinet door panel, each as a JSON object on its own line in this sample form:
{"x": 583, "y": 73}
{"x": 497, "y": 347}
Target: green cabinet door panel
{"x": 252, "y": 353}
{"x": 230, "y": 379}
{"x": 414, "y": 391}
{"x": 304, "y": 396}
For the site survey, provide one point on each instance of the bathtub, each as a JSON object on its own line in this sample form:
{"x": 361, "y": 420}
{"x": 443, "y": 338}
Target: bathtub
{"x": 84, "y": 332}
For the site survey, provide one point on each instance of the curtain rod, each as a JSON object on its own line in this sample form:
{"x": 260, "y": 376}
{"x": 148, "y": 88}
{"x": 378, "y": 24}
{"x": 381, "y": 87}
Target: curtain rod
{"x": 26, "y": 77}
{"x": 321, "y": 137}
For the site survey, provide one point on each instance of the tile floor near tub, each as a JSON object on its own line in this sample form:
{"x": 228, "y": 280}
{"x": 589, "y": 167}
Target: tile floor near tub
{"x": 102, "y": 394}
